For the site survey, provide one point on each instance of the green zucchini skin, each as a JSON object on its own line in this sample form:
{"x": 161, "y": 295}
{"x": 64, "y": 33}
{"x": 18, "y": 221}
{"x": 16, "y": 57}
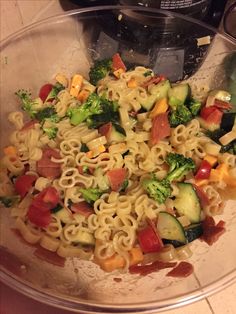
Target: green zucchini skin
{"x": 173, "y": 242}
{"x": 116, "y": 134}
{"x": 192, "y": 232}
{"x": 156, "y": 92}
{"x": 228, "y": 121}
{"x": 180, "y": 92}
{"x": 169, "y": 228}
{"x": 187, "y": 202}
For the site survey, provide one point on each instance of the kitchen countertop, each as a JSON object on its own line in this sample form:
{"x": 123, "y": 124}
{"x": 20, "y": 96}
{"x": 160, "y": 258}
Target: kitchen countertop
{"x": 14, "y": 15}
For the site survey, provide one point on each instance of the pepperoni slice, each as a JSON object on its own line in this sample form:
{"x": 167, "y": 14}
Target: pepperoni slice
{"x": 116, "y": 178}
{"x": 212, "y": 231}
{"x": 147, "y": 269}
{"x": 82, "y": 208}
{"x": 184, "y": 269}
{"x": 154, "y": 80}
{"x": 29, "y": 125}
{"x": 46, "y": 167}
{"x": 160, "y": 128}
{"x": 50, "y": 257}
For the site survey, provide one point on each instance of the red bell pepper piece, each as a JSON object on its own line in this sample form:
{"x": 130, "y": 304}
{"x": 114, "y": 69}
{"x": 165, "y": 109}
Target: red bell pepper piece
{"x": 211, "y": 114}
{"x": 39, "y": 211}
{"x": 38, "y": 217}
{"x": 44, "y": 91}
{"x": 49, "y": 196}
{"x": 149, "y": 240}
{"x": 117, "y": 63}
{"x": 24, "y": 183}
{"x": 203, "y": 171}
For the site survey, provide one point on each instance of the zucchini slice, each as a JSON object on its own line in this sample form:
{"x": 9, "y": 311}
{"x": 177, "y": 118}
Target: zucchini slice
{"x": 180, "y": 92}
{"x": 161, "y": 89}
{"x": 193, "y": 232}
{"x": 157, "y": 92}
{"x": 117, "y": 135}
{"x": 84, "y": 238}
{"x": 187, "y": 202}
{"x": 228, "y": 121}
{"x": 169, "y": 228}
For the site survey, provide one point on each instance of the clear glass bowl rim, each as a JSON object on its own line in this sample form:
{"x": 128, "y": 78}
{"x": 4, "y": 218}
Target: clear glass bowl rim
{"x": 70, "y": 303}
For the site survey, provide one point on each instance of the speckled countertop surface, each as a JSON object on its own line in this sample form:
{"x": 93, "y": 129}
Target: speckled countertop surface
{"x": 14, "y": 15}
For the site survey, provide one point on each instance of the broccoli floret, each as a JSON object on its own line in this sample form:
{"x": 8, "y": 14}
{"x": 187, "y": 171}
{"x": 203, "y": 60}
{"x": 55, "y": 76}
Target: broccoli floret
{"x": 51, "y": 132}
{"x": 56, "y": 209}
{"x": 45, "y": 113}
{"x": 9, "y": 201}
{"x": 181, "y": 115}
{"x": 194, "y": 106}
{"x": 147, "y": 73}
{"x": 109, "y": 114}
{"x": 95, "y": 112}
{"x": 83, "y": 112}
{"x": 100, "y": 70}
{"x": 84, "y": 148}
{"x": 91, "y": 195}
{"x": 124, "y": 185}
{"x": 158, "y": 190}
{"x": 179, "y": 166}
{"x": 28, "y": 104}
{"x": 54, "y": 91}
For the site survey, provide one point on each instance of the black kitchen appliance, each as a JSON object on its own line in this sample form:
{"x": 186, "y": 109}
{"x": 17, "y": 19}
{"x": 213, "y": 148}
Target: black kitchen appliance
{"x": 209, "y": 11}
{"x": 176, "y": 52}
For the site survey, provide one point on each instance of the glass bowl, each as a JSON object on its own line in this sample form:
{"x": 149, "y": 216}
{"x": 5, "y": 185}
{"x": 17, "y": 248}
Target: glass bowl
{"x": 169, "y": 43}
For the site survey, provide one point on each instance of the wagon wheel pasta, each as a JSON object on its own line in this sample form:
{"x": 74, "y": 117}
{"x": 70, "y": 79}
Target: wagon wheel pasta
{"x": 94, "y": 168}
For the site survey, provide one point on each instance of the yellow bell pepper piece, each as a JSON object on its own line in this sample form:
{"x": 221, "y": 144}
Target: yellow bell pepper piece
{"x": 160, "y": 106}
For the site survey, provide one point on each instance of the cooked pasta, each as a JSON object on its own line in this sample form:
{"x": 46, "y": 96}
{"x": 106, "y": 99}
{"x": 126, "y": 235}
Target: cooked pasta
{"x": 99, "y": 168}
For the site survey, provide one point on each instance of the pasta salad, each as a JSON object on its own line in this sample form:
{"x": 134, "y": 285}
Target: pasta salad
{"x": 124, "y": 169}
